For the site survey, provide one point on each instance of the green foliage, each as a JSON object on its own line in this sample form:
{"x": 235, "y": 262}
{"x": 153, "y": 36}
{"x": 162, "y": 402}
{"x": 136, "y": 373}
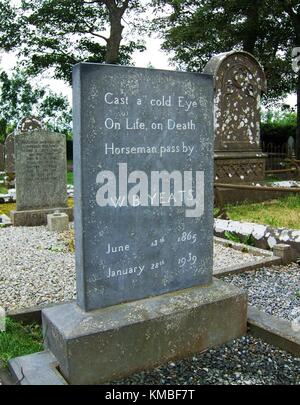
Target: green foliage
{"x": 19, "y": 340}
{"x": 278, "y": 126}
{"x": 19, "y": 98}
{"x": 60, "y": 33}
{"x": 70, "y": 178}
{"x": 246, "y": 240}
{"x": 196, "y": 30}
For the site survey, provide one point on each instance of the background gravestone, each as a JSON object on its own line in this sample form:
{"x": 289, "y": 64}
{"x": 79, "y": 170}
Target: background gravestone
{"x": 9, "y": 155}
{"x": 2, "y": 161}
{"x": 291, "y": 147}
{"x": 239, "y": 81}
{"x": 29, "y": 124}
{"x": 26, "y": 124}
{"x": 40, "y": 161}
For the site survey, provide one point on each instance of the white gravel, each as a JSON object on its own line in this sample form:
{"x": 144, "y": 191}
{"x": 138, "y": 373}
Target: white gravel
{"x": 274, "y": 290}
{"x": 226, "y": 256}
{"x": 37, "y": 269}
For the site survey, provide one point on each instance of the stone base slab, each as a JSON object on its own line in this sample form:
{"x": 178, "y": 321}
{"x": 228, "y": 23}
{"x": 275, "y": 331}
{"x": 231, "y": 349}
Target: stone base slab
{"x": 114, "y": 342}
{"x": 37, "y": 217}
{"x": 36, "y": 369}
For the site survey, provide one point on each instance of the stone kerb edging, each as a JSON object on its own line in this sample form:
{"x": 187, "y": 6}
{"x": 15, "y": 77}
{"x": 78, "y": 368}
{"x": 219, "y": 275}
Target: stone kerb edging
{"x": 275, "y": 331}
{"x": 268, "y": 258}
{"x": 264, "y": 236}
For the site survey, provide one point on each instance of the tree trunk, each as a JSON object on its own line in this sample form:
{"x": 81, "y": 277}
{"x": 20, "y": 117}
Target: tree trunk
{"x": 296, "y": 22}
{"x": 115, "y": 38}
{"x": 252, "y": 23}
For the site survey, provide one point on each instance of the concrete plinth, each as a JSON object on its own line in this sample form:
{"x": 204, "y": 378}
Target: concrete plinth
{"x": 36, "y": 369}
{"x": 114, "y": 342}
{"x": 36, "y": 217}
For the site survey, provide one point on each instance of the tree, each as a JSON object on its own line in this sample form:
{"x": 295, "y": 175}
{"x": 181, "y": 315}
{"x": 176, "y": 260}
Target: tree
{"x": 60, "y": 33}
{"x": 196, "y": 30}
{"x": 19, "y": 99}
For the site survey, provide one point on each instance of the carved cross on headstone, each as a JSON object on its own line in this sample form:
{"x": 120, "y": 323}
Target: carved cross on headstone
{"x": 29, "y": 124}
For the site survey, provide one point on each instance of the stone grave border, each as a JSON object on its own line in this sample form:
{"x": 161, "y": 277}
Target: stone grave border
{"x": 269, "y": 258}
{"x": 286, "y": 241}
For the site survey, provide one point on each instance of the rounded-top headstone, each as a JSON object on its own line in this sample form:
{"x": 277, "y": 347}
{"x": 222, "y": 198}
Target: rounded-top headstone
{"x": 291, "y": 146}
{"x": 239, "y": 81}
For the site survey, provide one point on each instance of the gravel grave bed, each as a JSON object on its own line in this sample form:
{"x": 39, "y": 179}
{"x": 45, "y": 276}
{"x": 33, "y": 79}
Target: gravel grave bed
{"x": 244, "y": 361}
{"x": 37, "y": 269}
{"x": 274, "y": 290}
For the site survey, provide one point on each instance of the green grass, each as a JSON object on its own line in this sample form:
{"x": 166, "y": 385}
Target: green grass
{"x": 70, "y": 178}
{"x": 271, "y": 179}
{"x": 19, "y": 340}
{"x": 7, "y": 207}
{"x": 3, "y": 190}
{"x": 283, "y": 212}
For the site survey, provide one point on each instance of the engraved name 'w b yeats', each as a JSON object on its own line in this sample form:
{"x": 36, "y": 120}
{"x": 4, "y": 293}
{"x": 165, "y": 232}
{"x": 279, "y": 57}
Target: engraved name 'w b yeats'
{"x": 163, "y": 189}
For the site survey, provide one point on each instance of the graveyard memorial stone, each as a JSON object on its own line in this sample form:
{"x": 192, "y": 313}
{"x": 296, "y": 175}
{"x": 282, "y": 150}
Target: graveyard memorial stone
{"x": 143, "y": 153}
{"x": 26, "y": 124}
{"x": 291, "y": 147}
{"x": 9, "y": 157}
{"x": 239, "y": 81}
{"x": 41, "y": 170}
{"x": 2, "y": 161}
{"x": 146, "y": 163}
{"x": 29, "y": 124}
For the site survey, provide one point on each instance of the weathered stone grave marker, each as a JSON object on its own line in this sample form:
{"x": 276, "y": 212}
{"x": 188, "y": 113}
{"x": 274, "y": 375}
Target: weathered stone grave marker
{"x": 291, "y": 147}
{"x": 41, "y": 170}
{"x": 2, "y": 161}
{"x": 143, "y": 154}
{"x": 9, "y": 156}
{"x": 239, "y": 81}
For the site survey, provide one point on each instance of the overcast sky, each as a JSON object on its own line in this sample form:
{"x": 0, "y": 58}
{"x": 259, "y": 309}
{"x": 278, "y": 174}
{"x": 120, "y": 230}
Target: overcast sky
{"x": 153, "y": 55}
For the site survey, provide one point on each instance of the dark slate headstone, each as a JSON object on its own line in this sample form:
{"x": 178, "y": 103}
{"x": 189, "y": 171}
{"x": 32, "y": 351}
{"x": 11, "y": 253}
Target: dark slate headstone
{"x": 2, "y": 161}
{"x": 137, "y": 236}
{"x": 41, "y": 170}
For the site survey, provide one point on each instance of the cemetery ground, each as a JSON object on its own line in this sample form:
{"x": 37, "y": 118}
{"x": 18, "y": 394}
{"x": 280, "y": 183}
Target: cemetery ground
{"x": 44, "y": 273}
